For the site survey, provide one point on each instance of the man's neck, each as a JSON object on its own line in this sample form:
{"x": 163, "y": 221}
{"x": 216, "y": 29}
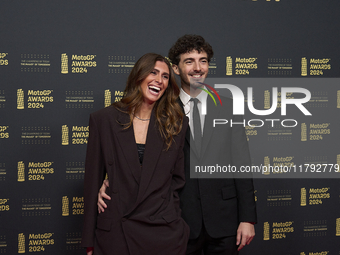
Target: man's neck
{"x": 190, "y": 90}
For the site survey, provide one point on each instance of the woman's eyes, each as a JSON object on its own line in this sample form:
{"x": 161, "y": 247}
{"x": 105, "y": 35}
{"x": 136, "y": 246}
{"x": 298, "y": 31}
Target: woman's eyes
{"x": 164, "y": 76}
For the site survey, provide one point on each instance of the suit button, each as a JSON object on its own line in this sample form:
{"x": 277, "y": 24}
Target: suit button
{"x": 152, "y": 218}
{"x": 114, "y": 191}
{"x": 123, "y": 219}
{"x": 163, "y": 196}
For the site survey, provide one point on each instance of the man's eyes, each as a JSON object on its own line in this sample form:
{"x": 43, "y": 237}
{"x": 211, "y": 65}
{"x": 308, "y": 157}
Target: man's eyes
{"x": 202, "y": 61}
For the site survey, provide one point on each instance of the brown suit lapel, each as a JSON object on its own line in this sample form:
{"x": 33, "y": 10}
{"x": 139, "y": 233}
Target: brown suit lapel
{"x": 128, "y": 145}
{"x": 153, "y": 149}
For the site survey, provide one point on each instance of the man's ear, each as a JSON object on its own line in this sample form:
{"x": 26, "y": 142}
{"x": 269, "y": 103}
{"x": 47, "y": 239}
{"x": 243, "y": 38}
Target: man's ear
{"x": 175, "y": 68}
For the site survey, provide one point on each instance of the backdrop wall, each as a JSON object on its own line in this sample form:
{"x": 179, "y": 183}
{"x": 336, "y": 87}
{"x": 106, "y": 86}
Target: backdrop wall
{"x": 62, "y": 60}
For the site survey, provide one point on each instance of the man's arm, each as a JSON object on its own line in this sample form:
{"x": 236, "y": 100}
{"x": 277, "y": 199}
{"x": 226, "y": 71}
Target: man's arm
{"x": 244, "y": 186}
{"x": 245, "y": 234}
{"x": 102, "y": 195}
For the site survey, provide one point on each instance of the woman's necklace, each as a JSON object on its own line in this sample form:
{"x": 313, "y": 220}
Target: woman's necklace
{"x": 141, "y": 118}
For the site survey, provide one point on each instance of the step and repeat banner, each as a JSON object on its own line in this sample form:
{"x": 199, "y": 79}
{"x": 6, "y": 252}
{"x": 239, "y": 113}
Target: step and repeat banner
{"x": 60, "y": 61}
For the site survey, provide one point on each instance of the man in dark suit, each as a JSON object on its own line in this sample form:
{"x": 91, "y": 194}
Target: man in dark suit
{"x": 220, "y": 212}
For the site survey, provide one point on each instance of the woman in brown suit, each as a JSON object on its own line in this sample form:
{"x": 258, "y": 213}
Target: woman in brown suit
{"x": 138, "y": 143}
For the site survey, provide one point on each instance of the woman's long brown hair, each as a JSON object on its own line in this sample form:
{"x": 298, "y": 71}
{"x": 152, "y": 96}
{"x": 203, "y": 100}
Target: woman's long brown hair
{"x": 169, "y": 115}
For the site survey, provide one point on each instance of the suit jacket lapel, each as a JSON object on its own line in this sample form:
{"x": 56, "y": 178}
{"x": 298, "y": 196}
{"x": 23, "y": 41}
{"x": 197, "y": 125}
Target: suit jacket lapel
{"x": 153, "y": 148}
{"x": 127, "y": 141}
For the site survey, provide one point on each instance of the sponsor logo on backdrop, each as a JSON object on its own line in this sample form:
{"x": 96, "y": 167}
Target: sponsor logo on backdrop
{"x": 64, "y": 135}
{"x": 279, "y": 230}
{"x": 315, "y": 228}
{"x": 337, "y": 227}
{"x": 250, "y": 132}
{"x": 64, "y": 63}
{"x": 314, "y": 196}
{"x": 266, "y": 231}
{"x": 21, "y": 171}
{"x": 279, "y": 197}
{"x": 107, "y": 98}
{"x": 278, "y": 165}
{"x": 80, "y": 64}
{"x": 35, "y": 63}
{"x": 75, "y": 170}
{"x": 280, "y": 66}
{"x": 20, "y": 99}
{"x": 303, "y": 197}
{"x": 212, "y": 66}
{"x": 2, "y": 171}
{"x": 35, "y": 135}
{"x": 317, "y": 66}
{"x": 37, "y": 171}
{"x": 79, "y": 99}
{"x": 120, "y": 64}
{"x": 21, "y": 243}
{"x": 4, "y": 206}
{"x": 73, "y": 241}
{"x": 36, "y": 207}
{"x": 77, "y": 206}
{"x": 118, "y": 95}
{"x": 242, "y": 66}
{"x": 65, "y": 209}
{"x": 3, "y": 244}
{"x": 3, "y": 59}
{"x": 36, "y": 99}
{"x": 317, "y": 196}
{"x": 303, "y": 66}
{"x": 4, "y": 134}
{"x": 79, "y": 135}
{"x": 315, "y": 131}
{"x": 2, "y": 99}
{"x": 36, "y": 242}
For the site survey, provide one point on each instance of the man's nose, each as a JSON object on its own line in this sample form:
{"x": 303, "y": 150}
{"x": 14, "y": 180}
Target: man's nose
{"x": 197, "y": 66}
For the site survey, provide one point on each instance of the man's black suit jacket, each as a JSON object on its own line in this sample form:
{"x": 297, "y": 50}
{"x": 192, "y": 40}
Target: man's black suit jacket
{"x": 220, "y": 203}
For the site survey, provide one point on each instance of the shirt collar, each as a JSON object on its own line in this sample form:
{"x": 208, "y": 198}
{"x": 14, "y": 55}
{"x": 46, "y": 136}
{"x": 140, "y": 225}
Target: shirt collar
{"x": 185, "y": 98}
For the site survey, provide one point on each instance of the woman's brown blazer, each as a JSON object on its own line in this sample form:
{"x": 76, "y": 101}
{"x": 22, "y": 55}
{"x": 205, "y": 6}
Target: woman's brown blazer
{"x": 143, "y": 215}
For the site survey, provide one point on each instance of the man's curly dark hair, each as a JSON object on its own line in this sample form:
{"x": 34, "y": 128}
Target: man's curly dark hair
{"x": 189, "y": 43}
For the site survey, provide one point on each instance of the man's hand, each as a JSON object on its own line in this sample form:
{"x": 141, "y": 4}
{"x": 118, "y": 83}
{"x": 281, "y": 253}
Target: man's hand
{"x": 245, "y": 234}
{"x": 101, "y": 195}
{"x": 89, "y": 250}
